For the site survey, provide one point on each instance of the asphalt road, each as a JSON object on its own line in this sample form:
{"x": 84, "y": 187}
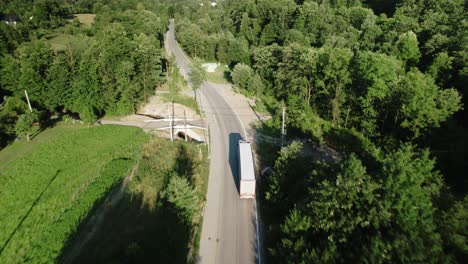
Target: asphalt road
{"x": 229, "y": 223}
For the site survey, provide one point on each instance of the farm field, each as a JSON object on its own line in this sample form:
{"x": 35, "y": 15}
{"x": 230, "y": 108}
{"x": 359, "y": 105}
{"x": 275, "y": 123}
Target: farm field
{"x": 49, "y": 185}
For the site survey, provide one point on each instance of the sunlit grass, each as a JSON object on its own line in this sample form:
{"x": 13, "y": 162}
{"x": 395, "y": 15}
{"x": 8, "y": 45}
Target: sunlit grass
{"x": 48, "y": 185}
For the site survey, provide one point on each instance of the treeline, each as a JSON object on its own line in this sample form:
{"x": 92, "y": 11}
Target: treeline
{"x": 110, "y": 68}
{"x": 382, "y": 88}
{"x": 383, "y": 208}
{"x": 341, "y": 60}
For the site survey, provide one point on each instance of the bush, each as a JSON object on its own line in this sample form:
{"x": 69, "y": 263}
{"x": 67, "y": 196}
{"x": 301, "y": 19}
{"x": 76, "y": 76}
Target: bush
{"x": 242, "y": 76}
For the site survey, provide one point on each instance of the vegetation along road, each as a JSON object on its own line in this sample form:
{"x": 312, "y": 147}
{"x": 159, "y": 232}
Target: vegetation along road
{"x": 229, "y": 227}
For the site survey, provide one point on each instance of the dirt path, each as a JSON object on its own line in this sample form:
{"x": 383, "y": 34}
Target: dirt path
{"x": 96, "y": 221}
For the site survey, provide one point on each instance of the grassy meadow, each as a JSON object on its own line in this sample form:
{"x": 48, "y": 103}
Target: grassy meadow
{"x": 183, "y": 100}
{"x": 145, "y": 227}
{"x": 220, "y": 74}
{"x": 49, "y": 185}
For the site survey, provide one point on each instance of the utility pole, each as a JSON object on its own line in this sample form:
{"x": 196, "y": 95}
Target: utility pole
{"x": 173, "y": 121}
{"x": 282, "y": 126}
{"x": 185, "y": 126}
{"x": 170, "y": 121}
{"x": 207, "y": 138}
{"x": 27, "y": 98}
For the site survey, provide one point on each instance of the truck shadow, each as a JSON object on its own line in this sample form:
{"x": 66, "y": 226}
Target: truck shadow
{"x": 233, "y": 157}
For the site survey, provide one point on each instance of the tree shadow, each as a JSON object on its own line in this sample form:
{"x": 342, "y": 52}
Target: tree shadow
{"x": 233, "y": 157}
{"x": 133, "y": 233}
{"x": 130, "y": 231}
{"x": 227, "y": 76}
{"x": 256, "y": 114}
{"x": 184, "y": 163}
{"x": 47, "y": 121}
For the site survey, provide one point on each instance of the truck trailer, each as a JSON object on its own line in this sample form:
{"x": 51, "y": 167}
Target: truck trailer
{"x": 246, "y": 171}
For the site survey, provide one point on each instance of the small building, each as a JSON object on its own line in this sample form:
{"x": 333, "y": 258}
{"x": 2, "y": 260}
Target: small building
{"x": 11, "y": 19}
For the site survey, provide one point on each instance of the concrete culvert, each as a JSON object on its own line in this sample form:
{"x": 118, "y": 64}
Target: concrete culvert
{"x": 181, "y": 135}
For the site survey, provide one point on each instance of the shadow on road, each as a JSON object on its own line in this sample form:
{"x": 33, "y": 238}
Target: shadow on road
{"x": 234, "y": 157}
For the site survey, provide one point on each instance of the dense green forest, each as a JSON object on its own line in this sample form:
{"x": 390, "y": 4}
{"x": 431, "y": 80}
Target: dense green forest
{"x": 109, "y": 67}
{"x": 382, "y": 82}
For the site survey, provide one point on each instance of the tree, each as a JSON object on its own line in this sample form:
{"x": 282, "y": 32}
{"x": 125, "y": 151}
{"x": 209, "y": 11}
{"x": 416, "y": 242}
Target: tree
{"x": 9, "y": 72}
{"x": 375, "y": 79}
{"x": 49, "y": 13}
{"x": 10, "y": 110}
{"x": 249, "y": 29}
{"x": 197, "y": 75}
{"x": 335, "y": 77}
{"x": 183, "y": 198}
{"x": 86, "y": 83}
{"x": 189, "y": 36}
{"x": 24, "y": 125}
{"x": 410, "y": 185}
{"x": 353, "y": 213}
{"x": 35, "y": 59}
{"x": 174, "y": 79}
{"x": 441, "y": 69}
{"x": 283, "y": 188}
{"x": 266, "y": 61}
{"x": 232, "y": 50}
{"x": 295, "y": 73}
{"x": 148, "y": 62}
{"x": 454, "y": 230}
{"x": 343, "y": 206}
{"x": 407, "y": 48}
{"x": 242, "y": 76}
{"x": 58, "y": 90}
{"x": 257, "y": 86}
{"x": 423, "y": 104}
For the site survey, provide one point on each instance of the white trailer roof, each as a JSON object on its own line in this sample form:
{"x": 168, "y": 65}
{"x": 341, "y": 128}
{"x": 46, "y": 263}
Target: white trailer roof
{"x": 246, "y": 161}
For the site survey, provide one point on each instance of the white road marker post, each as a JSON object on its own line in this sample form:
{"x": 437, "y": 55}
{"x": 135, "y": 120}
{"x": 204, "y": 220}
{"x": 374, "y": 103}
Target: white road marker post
{"x": 185, "y": 126}
{"x": 170, "y": 121}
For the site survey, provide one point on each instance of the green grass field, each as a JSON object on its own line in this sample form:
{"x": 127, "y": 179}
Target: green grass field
{"x": 60, "y": 41}
{"x": 86, "y": 19}
{"x": 49, "y": 185}
{"x": 183, "y": 100}
{"x": 144, "y": 228}
{"x": 219, "y": 76}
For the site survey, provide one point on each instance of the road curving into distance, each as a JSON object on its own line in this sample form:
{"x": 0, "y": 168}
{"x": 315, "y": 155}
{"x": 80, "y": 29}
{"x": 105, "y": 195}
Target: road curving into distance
{"x": 229, "y": 231}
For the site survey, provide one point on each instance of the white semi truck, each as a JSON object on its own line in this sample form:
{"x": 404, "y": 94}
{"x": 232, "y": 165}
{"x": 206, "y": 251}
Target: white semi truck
{"x": 246, "y": 171}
